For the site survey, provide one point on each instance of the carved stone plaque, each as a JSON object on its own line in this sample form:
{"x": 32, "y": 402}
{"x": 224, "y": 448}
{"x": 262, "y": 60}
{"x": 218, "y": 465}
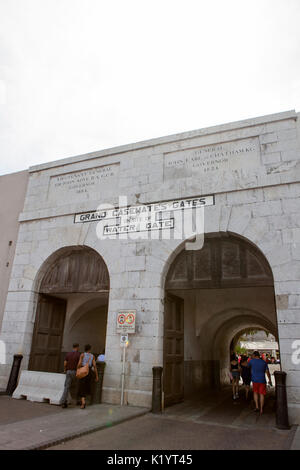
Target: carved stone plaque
{"x": 213, "y": 159}
{"x": 84, "y": 182}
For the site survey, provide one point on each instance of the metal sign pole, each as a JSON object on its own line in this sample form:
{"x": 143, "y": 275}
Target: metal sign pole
{"x": 125, "y": 325}
{"x": 123, "y": 375}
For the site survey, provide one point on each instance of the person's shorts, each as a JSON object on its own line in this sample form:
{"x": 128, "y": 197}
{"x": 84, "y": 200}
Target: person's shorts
{"x": 259, "y": 388}
{"x": 235, "y": 374}
{"x": 246, "y": 381}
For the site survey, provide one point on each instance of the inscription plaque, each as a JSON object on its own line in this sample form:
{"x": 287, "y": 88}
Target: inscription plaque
{"x": 88, "y": 181}
{"x": 212, "y": 159}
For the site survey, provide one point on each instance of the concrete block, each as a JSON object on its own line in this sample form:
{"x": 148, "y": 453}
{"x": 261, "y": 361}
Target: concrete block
{"x": 245, "y": 197}
{"x": 273, "y": 157}
{"x": 294, "y": 408}
{"x": 256, "y": 229}
{"x": 212, "y": 216}
{"x": 277, "y": 222}
{"x": 293, "y": 378}
{"x": 289, "y": 331}
{"x": 288, "y": 316}
{"x": 292, "y": 287}
{"x": 268, "y": 138}
{"x": 287, "y": 134}
{"x": 291, "y": 205}
{"x": 294, "y": 301}
{"x": 286, "y": 348}
{"x": 291, "y": 235}
{"x": 239, "y": 219}
{"x": 262, "y": 209}
{"x": 40, "y": 386}
{"x": 287, "y": 272}
{"x": 269, "y": 240}
{"x": 296, "y": 251}
{"x": 135, "y": 263}
{"x": 282, "y": 301}
{"x": 290, "y": 154}
{"x": 279, "y": 255}
{"x": 280, "y": 125}
{"x": 224, "y": 218}
{"x": 154, "y": 264}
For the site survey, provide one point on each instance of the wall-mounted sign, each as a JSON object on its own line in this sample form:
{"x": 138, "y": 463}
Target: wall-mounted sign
{"x": 124, "y": 340}
{"x": 142, "y": 218}
{"x": 126, "y": 321}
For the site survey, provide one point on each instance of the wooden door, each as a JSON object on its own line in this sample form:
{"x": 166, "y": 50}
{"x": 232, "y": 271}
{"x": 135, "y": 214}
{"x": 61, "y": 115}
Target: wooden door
{"x": 48, "y": 334}
{"x": 173, "y": 371}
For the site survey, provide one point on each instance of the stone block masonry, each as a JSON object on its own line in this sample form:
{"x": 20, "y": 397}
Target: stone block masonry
{"x": 252, "y": 168}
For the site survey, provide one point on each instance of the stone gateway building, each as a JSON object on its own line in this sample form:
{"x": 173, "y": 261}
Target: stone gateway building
{"x": 101, "y": 234}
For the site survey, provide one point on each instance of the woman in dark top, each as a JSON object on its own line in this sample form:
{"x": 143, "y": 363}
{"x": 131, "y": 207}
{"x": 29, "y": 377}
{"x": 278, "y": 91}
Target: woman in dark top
{"x": 235, "y": 374}
{"x": 85, "y": 383}
{"x": 246, "y": 374}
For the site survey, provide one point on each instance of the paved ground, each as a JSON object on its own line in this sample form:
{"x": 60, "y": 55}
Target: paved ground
{"x": 163, "y": 433}
{"x": 219, "y": 408}
{"x": 296, "y": 441}
{"x": 12, "y": 410}
{"x": 210, "y": 421}
{"x": 206, "y": 421}
{"x": 26, "y": 425}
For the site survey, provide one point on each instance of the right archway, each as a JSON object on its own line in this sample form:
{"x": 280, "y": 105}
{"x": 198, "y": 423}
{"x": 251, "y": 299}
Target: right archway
{"x": 211, "y": 295}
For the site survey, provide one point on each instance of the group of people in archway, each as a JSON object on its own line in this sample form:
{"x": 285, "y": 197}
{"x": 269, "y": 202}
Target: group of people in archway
{"x": 251, "y": 369}
{"x": 73, "y": 363}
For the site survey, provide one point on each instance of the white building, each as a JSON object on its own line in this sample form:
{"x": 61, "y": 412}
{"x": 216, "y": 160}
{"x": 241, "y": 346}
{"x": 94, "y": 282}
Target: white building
{"x": 68, "y": 282}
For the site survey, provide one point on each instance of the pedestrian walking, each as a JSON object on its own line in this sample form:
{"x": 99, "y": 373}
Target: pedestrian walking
{"x": 70, "y": 366}
{"x": 101, "y": 357}
{"x": 246, "y": 374}
{"x": 85, "y": 383}
{"x": 259, "y": 369}
{"x": 235, "y": 374}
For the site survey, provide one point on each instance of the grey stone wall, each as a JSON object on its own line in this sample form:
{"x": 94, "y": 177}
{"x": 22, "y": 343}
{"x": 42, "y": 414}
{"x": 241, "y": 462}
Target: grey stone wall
{"x": 256, "y": 196}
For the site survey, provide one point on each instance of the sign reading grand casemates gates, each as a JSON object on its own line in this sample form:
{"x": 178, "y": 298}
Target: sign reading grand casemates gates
{"x": 146, "y": 217}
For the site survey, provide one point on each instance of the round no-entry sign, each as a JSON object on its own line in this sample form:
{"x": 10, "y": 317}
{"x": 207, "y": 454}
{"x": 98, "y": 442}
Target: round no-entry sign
{"x": 126, "y": 321}
{"x": 130, "y": 318}
{"x": 121, "y": 319}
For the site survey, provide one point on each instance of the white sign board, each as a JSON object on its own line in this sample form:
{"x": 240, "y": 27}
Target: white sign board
{"x": 126, "y": 321}
{"x": 123, "y": 340}
{"x": 147, "y": 217}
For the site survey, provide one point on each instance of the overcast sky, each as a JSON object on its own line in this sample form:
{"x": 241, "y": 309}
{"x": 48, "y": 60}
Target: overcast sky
{"x": 83, "y": 75}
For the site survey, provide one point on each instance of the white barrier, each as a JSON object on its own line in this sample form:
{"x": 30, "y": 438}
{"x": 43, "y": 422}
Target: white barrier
{"x": 40, "y": 386}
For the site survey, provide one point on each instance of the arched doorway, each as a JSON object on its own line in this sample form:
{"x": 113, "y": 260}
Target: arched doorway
{"x": 72, "y": 306}
{"x": 211, "y": 295}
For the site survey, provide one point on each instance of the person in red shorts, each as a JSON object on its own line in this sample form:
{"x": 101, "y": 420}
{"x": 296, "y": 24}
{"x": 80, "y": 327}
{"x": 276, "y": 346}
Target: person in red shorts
{"x": 259, "y": 369}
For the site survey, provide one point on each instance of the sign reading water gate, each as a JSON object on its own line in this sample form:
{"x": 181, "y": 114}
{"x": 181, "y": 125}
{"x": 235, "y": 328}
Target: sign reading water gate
{"x": 142, "y": 218}
{"x": 126, "y": 321}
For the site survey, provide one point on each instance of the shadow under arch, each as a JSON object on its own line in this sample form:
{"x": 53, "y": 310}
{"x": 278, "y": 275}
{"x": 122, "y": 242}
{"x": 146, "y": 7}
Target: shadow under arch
{"x": 232, "y": 319}
{"x": 230, "y": 267}
{"x": 83, "y": 309}
{"x": 69, "y": 277}
{"x": 216, "y": 337}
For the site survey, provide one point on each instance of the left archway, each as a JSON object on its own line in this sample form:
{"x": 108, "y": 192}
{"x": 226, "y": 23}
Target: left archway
{"x": 70, "y": 279}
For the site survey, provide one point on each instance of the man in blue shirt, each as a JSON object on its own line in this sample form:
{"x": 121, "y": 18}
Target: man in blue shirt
{"x": 258, "y": 370}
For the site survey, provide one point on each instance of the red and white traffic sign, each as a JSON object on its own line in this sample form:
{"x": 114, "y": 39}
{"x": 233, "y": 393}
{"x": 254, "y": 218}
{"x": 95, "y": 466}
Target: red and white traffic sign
{"x": 126, "y": 321}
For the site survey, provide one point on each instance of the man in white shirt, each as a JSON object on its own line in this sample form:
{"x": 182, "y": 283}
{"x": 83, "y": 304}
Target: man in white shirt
{"x": 101, "y": 357}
